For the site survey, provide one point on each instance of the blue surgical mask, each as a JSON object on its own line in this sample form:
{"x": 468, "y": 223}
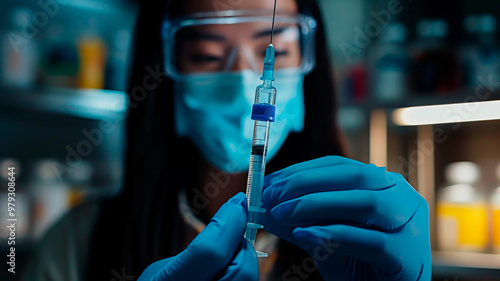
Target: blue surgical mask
{"x": 213, "y": 110}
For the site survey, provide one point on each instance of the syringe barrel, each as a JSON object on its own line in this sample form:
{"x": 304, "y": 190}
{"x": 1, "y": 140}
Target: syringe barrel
{"x": 254, "y": 194}
{"x": 265, "y": 93}
{"x": 263, "y": 113}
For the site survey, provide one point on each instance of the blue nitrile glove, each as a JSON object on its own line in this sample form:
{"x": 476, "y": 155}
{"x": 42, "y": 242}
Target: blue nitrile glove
{"x": 219, "y": 252}
{"x": 357, "y": 221}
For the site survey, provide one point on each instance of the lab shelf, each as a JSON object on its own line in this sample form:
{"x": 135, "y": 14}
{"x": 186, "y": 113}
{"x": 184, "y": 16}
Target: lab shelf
{"x": 421, "y": 138}
{"x": 422, "y": 99}
{"x": 466, "y": 265}
{"x": 93, "y": 104}
{"x": 107, "y": 8}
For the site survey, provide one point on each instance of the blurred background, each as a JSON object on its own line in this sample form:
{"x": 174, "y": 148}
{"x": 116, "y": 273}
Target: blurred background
{"x": 418, "y": 84}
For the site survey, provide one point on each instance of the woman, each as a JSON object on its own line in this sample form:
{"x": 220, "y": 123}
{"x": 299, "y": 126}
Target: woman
{"x": 334, "y": 218}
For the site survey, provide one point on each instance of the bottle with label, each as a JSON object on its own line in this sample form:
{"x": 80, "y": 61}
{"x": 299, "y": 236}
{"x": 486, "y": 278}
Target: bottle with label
{"x": 19, "y": 52}
{"x": 481, "y": 58}
{"x": 389, "y": 65}
{"x": 50, "y": 195}
{"x": 435, "y": 66}
{"x": 355, "y": 83}
{"x": 92, "y": 54}
{"x": 79, "y": 181}
{"x": 495, "y": 215}
{"x": 461, "y": 210}
{"x": 12, "y": 192}
{"x": 117, "y": 66}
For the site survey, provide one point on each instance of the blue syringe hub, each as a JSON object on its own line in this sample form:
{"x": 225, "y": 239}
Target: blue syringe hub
{"x": 268, "y": 73}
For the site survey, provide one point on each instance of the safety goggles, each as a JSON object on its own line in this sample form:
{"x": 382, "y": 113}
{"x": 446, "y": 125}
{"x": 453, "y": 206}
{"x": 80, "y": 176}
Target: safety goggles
{"x": 225, "y": 41}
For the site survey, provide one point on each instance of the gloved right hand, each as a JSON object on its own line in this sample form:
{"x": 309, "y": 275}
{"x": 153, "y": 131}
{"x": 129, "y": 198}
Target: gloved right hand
{"x": 357, "y": 221}
{"x": 219, "y": 252}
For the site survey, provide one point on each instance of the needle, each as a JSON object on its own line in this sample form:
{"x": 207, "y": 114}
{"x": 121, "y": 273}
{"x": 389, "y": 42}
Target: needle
{"x": 274, "y": 16}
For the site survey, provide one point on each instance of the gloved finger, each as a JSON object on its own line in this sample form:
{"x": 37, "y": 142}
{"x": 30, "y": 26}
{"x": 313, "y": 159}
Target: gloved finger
{"x": 244, "y": 265}
{"x": 385, "y": 210}
{"x": 326, "y": 161}
{"x": 205, "y": 257}
{"x": 328, "y": 178}
{"x": 371, "y": 246}
{"x": 272, "y": 226}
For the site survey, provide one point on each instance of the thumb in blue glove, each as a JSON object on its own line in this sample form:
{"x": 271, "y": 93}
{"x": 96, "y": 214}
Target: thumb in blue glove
{"x": 219, "y": 252}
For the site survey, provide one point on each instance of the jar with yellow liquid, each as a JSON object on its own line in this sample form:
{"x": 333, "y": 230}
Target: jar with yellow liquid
{"x": 92, "y": 53}
{"x": 461, "y": 211}
{"x": 495, "y": 216}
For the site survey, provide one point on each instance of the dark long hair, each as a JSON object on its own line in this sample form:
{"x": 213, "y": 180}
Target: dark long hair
{"x": 142, "y": 224}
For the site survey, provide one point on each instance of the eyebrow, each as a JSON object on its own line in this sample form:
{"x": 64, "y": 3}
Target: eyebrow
{"x": 195, "y": 35}
{"x": 267, "y": 32}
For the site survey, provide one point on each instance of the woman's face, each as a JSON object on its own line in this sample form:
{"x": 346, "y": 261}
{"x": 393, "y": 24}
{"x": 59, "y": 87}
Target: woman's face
{"x": 218, "y": 47}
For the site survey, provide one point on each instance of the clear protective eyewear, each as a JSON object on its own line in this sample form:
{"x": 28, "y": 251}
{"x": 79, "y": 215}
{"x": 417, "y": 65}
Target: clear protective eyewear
{"x": 226, "y": 41}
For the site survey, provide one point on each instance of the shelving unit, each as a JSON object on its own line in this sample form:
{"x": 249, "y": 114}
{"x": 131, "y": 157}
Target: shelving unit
{"x": 466, "y": 265}
{"x": 386, "y": 118}
{"x": 93, "y": 104}
{"x": 45, "y": 121}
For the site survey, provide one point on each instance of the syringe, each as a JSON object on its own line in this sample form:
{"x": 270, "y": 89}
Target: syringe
{"x": 263, "y": 113}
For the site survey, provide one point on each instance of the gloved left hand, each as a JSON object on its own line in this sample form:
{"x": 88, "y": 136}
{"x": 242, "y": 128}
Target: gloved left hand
{"x": 357, "y": 221}
{"x": 219, "y": 252}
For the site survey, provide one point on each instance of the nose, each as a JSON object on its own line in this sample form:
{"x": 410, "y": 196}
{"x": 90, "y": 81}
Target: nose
{"x": 240, "y": 59}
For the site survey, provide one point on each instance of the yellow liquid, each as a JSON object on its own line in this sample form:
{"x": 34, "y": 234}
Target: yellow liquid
{"x": 462, "y": 226}
{"x": 496, "y": 229}
{"x": 92, "y": 63}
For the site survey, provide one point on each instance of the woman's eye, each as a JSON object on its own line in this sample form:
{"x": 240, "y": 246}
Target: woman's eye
{"x": 199, "y": 58}
{"x": 281, "y": 53}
